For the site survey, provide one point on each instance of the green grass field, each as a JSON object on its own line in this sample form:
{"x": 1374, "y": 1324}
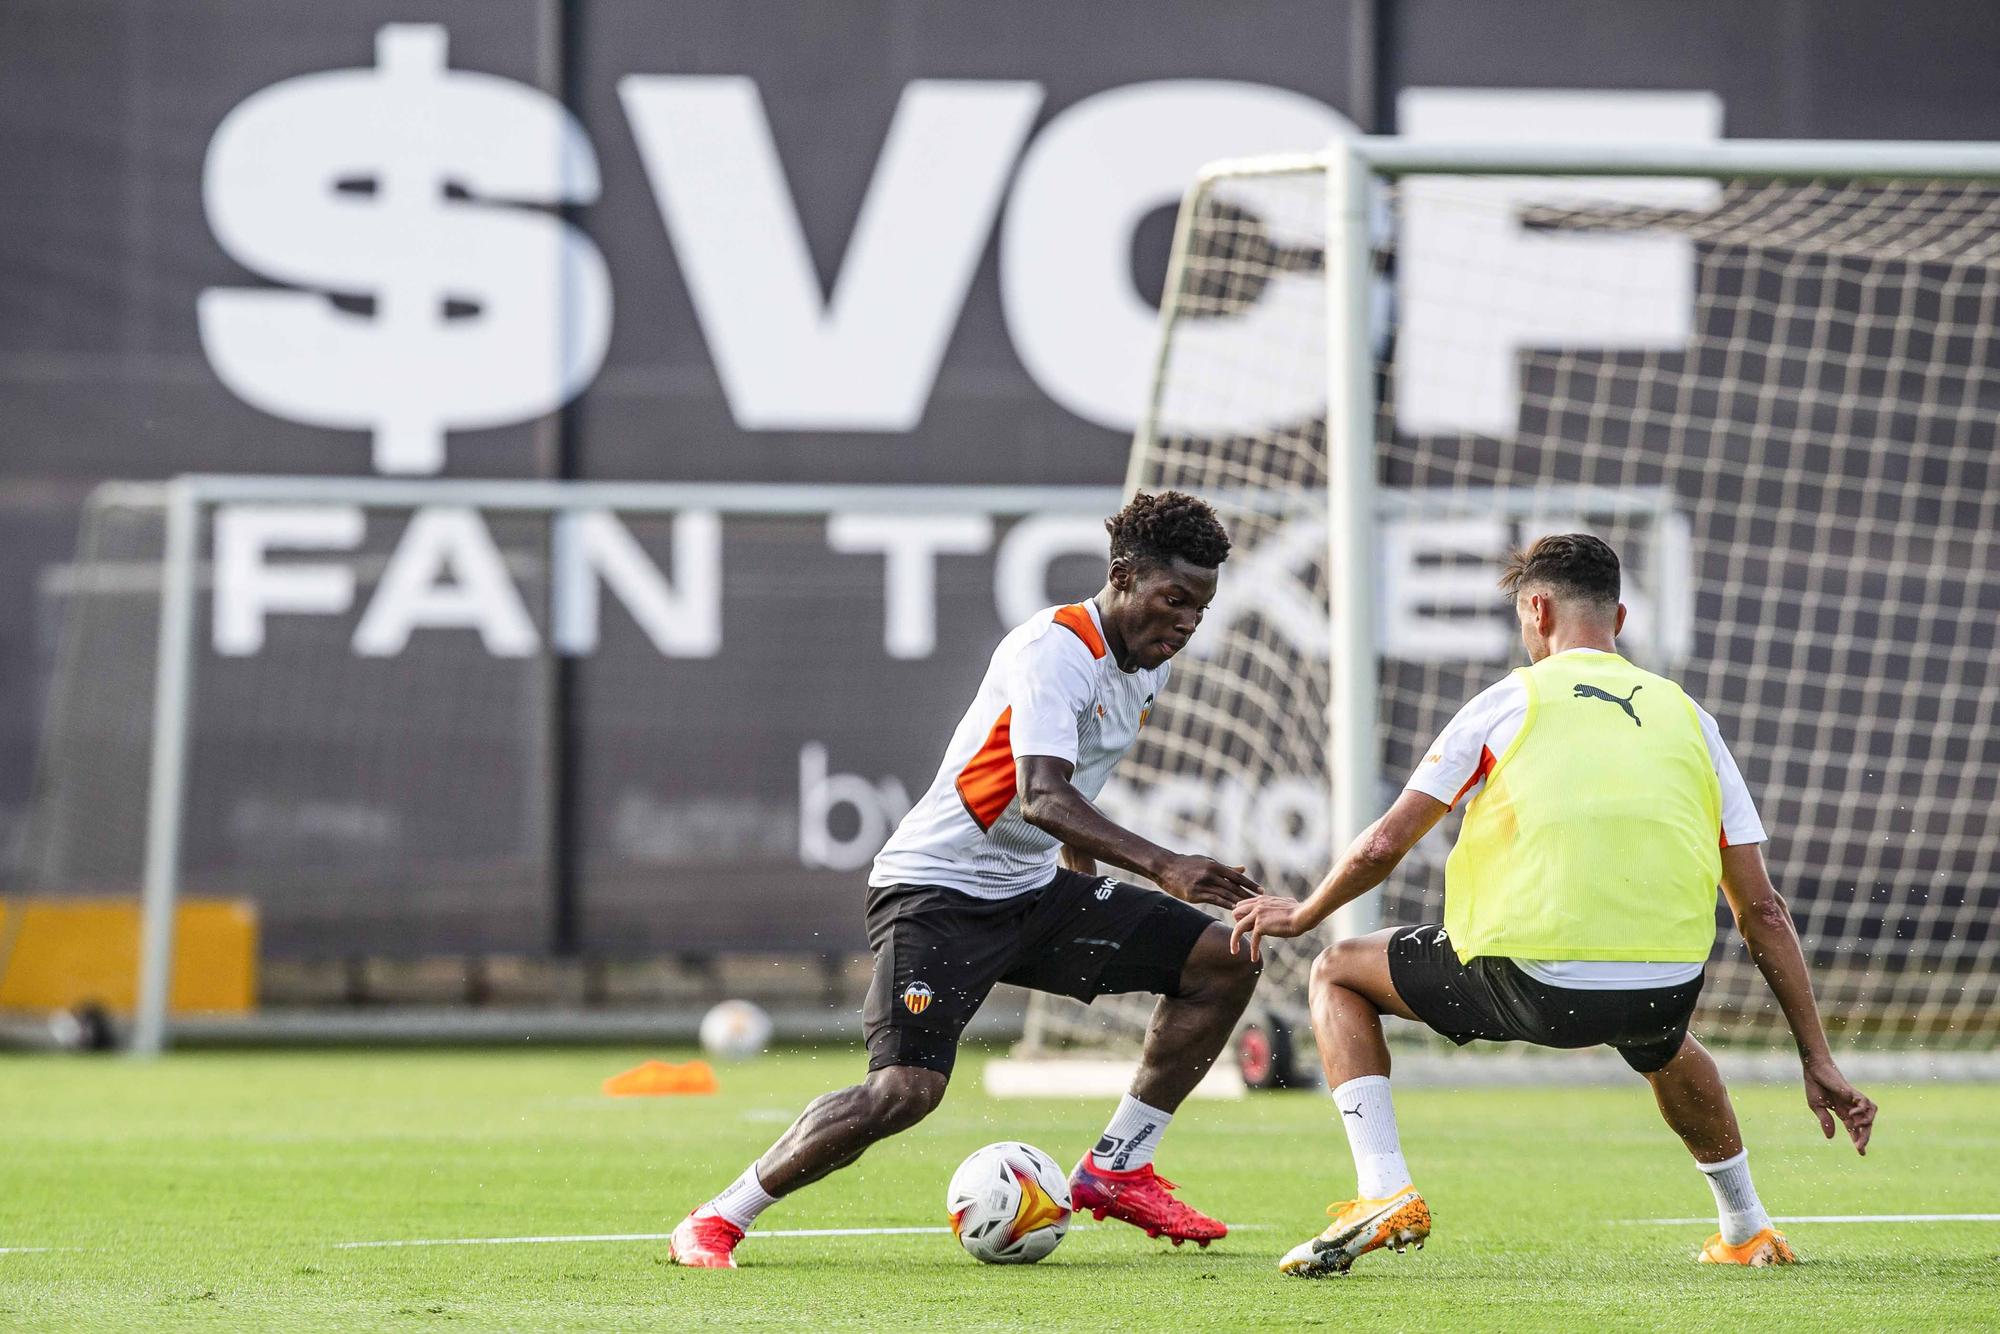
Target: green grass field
{"x": 215, "y": 1190}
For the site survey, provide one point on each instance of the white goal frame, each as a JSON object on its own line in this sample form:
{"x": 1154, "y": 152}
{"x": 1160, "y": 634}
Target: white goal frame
{"x": 188, "y": 500}
{"x": 1349, "y": 169}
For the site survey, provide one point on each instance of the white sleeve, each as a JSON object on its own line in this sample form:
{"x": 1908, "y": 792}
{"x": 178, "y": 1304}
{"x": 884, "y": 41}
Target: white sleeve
{"x": 1740, "y": 823}
{"x": 1049, "y": 685}
{"x": 1464, "y": 753}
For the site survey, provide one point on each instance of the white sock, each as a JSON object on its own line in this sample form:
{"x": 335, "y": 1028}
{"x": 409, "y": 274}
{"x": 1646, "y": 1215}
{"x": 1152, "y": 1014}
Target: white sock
{"x": 1369, "y": 1117}
{"x": 1737, "y": 1208}
{"x": 1132, "y": 1138}
{"x": 741, "y": 1202}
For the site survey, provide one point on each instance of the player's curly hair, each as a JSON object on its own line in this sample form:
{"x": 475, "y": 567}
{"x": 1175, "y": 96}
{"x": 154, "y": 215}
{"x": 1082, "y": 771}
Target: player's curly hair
{"x": 1168, "y": 525}
{"x": 1573, "y": 564}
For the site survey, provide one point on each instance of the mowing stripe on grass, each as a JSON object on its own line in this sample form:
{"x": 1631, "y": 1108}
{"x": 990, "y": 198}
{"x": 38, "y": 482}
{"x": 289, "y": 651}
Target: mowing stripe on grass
{"x": 662, "y": 1236}
{"x": 1828, "y": 1218}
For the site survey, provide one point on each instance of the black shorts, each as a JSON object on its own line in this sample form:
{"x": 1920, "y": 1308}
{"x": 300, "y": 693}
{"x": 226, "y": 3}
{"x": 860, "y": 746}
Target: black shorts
{"x": 938, "y": 953}
{"x": 1492, "y": 999}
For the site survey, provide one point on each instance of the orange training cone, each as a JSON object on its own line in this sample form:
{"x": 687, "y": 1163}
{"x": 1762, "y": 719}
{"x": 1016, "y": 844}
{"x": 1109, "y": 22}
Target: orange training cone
{"x": 653, "y": 1078}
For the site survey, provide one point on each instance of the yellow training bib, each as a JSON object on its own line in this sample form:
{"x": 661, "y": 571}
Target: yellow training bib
{"x": 1597, "y": 834}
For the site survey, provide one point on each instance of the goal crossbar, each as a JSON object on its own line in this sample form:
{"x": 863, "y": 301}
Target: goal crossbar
{"x": 1767, "y": 159}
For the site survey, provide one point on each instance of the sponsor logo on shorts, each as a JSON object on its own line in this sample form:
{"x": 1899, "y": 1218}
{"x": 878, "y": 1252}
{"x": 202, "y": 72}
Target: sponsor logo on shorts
{"x": 917, "y": 997}
{"x": 1104, "y": 888}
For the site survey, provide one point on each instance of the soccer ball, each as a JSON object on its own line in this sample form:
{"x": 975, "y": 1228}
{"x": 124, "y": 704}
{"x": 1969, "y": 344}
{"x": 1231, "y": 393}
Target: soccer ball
{"x": 1009, "y": 1204}
{"x": 735, "y": 1029}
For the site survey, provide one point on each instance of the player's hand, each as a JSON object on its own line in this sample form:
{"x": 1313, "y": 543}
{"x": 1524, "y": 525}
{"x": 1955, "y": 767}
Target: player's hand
{"x": 1830, "y": 1095}
{"x": 1265, "y": 915}
{"x": 1205, "y": 880}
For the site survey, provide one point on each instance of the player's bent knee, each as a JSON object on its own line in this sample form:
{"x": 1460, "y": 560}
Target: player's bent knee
{"x": 1341, "y": 964}
{"x": 1326, "y": 969}
{"x": 1212, "y": 968}
{"x": 1245, "y": 971}
{"x": 903, "y": 1095}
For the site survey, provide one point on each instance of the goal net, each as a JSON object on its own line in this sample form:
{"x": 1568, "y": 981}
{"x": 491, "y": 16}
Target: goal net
{"x": 368, "y": 786}
{"x": 456, "y": 743}
{"x": 1778, "y": 398}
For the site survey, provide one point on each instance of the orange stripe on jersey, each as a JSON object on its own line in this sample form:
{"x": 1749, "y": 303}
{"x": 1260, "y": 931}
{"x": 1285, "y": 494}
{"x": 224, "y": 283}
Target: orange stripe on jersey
{"x": 1076, "y": 618}
{"x": 1485, "y": 768}
{"x": 986, "y": 783}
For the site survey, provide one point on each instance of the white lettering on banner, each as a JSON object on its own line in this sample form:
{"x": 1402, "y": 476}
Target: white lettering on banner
{"x": 876, "y": 807}
{"x": 682, "y": 618}
{"x": 446, "y": 574}
{"x": 1021, "y": 567}
{"x": 335, "y": 183}
{"x": 865, "y": 359}
{"x": 1476, "y": 287}
{"x": 909, "y": 544}
{"x": 1079, "y": 326}
{"x": 1439, "y": 600}
{"x": 247, "y": 588}
{"x": 1437, "y": 603}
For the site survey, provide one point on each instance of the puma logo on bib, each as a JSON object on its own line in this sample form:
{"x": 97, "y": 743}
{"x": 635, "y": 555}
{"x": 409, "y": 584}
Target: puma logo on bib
{"x": 1592, "y": 692}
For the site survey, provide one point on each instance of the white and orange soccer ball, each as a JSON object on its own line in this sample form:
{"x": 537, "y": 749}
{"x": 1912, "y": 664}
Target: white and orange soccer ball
{"x": 1008, "y": 1203}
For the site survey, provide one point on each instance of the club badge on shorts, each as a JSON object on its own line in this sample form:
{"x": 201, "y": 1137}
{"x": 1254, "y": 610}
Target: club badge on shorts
{"x": 916, "y": 997}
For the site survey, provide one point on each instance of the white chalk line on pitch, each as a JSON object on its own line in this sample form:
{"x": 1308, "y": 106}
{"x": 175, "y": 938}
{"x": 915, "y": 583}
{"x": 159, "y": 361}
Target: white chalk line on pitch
{"x": 1825, "y": 1218}
{"x": 662, "y": 1236}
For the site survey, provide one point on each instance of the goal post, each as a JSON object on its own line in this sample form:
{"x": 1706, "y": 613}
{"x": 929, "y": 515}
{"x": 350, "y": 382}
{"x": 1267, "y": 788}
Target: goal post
{"x": 1764, "y": 370}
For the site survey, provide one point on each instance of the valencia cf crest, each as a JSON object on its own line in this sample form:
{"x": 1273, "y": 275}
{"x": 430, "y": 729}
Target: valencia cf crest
{"x": 917, "y": 997}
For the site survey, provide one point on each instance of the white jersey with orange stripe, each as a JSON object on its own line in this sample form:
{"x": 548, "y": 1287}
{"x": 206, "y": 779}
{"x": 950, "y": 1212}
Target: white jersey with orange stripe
{"x": 1051, "y": 688}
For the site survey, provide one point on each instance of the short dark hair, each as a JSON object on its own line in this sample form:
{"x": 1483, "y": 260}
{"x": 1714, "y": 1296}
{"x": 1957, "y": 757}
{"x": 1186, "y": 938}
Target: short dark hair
{"x": 1166, "y": 526}
{"x": 1573, "y": 565}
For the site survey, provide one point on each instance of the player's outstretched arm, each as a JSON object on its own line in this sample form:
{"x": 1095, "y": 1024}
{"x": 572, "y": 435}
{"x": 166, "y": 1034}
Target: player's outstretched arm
{"x": 1368, "y": 861}
{"x": 1051, "y": 803}
{"x": 1766, "y": 926}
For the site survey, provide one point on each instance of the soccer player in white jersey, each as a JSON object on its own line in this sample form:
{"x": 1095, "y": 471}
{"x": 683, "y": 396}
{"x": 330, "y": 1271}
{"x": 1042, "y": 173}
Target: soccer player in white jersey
{"x": 969, "y": 892}
{"x": 1579, "y": 909}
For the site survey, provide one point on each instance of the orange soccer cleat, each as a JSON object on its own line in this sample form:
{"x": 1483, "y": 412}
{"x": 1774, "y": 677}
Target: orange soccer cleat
{"x": 1399, "y": 1221}
{"x": 1140, "y": 1197}
{"x": 704, "y": 1243}
{"x": 1768, "y": 1247}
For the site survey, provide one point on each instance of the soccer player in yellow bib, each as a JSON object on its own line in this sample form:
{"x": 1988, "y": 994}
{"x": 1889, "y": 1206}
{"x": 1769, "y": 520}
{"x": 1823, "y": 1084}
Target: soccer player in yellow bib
{"x": 1579, "y": 909}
